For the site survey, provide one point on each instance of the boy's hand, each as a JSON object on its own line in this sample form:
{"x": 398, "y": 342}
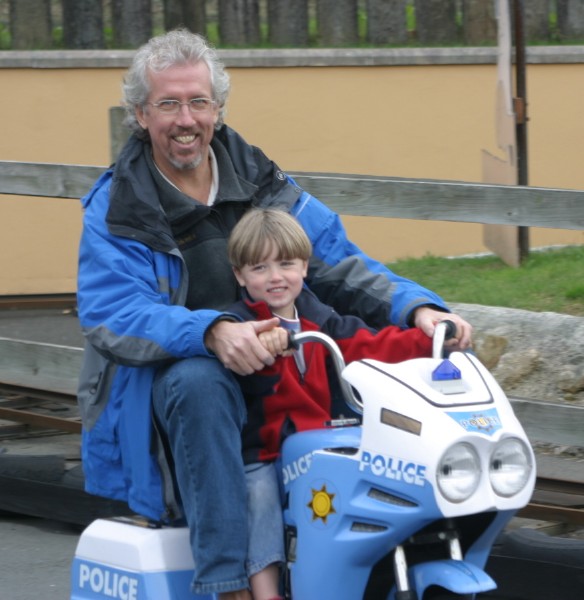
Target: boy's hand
{"x": 237, "y": 345}
{"x": 276, "y": 341}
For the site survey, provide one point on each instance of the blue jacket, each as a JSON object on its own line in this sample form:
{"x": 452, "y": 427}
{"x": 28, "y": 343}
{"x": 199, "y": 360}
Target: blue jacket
{"x": 134, "y": 289}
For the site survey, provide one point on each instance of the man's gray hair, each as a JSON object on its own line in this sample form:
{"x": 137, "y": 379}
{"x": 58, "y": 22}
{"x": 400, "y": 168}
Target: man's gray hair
{"x": 177, "y": 47}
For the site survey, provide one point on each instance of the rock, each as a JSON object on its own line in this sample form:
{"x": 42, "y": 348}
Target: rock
{"x": 571, "y": 379}
{"x": 516, "y": 367}
{"x": 490, "y": 348}
{"x": 539, "y": 356}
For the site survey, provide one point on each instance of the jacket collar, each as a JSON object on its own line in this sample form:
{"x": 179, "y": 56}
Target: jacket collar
{"x": 136, "y": 210}
{"x": 180, "y": 209}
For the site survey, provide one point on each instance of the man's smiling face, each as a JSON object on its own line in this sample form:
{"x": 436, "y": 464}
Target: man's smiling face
{"x": 179, "y": 141}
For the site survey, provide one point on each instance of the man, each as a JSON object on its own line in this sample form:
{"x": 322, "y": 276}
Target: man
{"x": 162, "y": 410}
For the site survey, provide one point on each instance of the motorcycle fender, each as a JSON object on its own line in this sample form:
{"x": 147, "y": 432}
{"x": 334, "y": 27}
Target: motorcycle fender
{"x": 457, "y": 576}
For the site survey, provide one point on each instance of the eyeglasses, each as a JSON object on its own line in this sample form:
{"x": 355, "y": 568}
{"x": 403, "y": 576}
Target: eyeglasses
{"x": 172, "y": 107}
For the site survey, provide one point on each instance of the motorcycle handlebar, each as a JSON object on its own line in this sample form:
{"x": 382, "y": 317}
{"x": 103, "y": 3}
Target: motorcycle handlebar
{"x": 444, "y": 330}
{"x": 296, "y": 339}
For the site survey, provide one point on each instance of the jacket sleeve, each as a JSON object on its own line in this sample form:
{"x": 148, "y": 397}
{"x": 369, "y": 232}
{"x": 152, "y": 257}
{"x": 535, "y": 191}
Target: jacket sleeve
{"x": 343, "y": 276}
{"x": 391, "y": 344}
{"x": 124, "y": 296}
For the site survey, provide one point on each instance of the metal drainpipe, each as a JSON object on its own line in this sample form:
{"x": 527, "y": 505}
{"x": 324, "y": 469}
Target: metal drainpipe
{"x": 520, "y": 108}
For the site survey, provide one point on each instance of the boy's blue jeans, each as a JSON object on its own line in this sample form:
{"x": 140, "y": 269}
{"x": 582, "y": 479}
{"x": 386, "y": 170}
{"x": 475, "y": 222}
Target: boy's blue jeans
{"x": 265, "y": 520}
{"x": 199, "y": 405}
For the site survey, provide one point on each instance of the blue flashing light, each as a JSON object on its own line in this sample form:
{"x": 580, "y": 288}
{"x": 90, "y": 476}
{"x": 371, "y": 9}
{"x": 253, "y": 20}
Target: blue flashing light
{"x": 446, "y": 371}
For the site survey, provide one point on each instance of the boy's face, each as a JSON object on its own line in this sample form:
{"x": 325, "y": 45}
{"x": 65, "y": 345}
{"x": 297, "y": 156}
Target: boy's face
{"x": 275, "y": 281}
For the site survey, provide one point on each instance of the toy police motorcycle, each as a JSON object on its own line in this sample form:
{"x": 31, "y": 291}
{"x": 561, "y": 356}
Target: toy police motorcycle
{"x": 404, "y": 506}
{"x": 438, "y": 467}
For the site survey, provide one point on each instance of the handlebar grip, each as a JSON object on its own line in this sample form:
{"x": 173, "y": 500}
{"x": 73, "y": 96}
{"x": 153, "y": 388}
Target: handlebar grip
{"x": 450, "y": 331}
{"x": 444, "y": 330}
{"x": 292, "y": 343}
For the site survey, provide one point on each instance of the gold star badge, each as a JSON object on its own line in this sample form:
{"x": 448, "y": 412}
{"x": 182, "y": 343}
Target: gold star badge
{"x": 321, "y": 504}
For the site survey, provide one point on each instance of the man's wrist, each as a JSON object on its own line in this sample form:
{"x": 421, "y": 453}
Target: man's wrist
{"x": 209, "y": 331}
{"x": 411, "y": 322}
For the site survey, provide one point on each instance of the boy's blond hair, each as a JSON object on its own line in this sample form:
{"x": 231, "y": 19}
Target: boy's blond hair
{"x": 267, "y": 228}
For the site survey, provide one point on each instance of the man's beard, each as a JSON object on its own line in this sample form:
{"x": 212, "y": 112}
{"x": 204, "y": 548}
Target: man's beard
{"x": 182, "y": 166}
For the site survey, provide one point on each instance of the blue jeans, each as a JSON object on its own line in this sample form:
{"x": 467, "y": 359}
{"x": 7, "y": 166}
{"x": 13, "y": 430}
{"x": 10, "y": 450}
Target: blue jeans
{"x": 264, "y": 517}
{"x": 199, "y": 406}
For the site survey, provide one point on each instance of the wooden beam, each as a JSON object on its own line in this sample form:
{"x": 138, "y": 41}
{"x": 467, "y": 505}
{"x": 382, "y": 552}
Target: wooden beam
{"x": 561, "y": 424}
{"x": 40, "y": 366}
{"x": 46, "y": 179}
{"x": 56, "y": 369}
{"x": 28, "y": 417}
{"x": 357, "y": 195}
{"x": 447, "y": 201}
{"x": 41, "y": 301}
{"x": 564, "y": 514}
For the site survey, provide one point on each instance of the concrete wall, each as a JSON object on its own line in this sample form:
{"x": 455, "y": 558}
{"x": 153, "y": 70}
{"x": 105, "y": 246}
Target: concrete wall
{"x": 420, "y": 114}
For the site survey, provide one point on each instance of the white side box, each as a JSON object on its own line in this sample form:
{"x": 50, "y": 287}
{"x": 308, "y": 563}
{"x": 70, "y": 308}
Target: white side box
{"x": 119, "y": 560}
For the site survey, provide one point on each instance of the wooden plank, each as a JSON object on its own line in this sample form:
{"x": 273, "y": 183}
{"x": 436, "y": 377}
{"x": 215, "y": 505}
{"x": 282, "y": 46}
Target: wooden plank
{"x": 570, "y": 469}
{"x": 40, "y": 366}
{"x": 565, "y": 514}
{"x": 56, "y": 368}
{"x": 42, "y": 301}
{"x": 560, "y": 424}
{"x": 447, "y": 201}
{"x": 358, "y": 195}
{"x": 45, "y": 179}
{"x": 504, "y": 240}
{"x": 36, "y": 419}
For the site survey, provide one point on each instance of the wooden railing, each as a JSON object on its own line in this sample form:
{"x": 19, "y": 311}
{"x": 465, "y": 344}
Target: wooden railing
{"x": 54, "y": 369}
{"x": 357, "y": 195}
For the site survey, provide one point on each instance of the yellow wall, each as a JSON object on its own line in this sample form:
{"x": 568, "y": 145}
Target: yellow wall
{"x": 421, "y": 122}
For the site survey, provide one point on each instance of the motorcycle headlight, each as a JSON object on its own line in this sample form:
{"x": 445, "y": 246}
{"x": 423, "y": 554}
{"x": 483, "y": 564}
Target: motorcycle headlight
{"x": 459, "y": 472}
{"x": 510, "y": 467}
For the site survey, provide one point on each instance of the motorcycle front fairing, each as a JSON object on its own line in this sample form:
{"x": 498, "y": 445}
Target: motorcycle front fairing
{"x": 404, "y": 480}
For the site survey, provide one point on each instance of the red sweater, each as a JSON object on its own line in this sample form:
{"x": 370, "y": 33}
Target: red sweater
{"x": 280, "y": 400}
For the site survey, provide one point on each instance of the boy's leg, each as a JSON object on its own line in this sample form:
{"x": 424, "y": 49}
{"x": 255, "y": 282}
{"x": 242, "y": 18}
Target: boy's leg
{"x": 240, "y": 595}
{"x": 266, "y": 530}
{"x": 265, "y": 584}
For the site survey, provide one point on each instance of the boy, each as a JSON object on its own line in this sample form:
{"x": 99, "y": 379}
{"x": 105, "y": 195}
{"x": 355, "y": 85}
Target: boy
{"x": 269, "y": 252}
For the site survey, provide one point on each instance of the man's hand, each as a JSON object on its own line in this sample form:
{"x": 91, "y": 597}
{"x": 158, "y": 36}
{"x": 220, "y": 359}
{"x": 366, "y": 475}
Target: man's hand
{"x": 425, "y": 318}
{"x": 237, "y": 345}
